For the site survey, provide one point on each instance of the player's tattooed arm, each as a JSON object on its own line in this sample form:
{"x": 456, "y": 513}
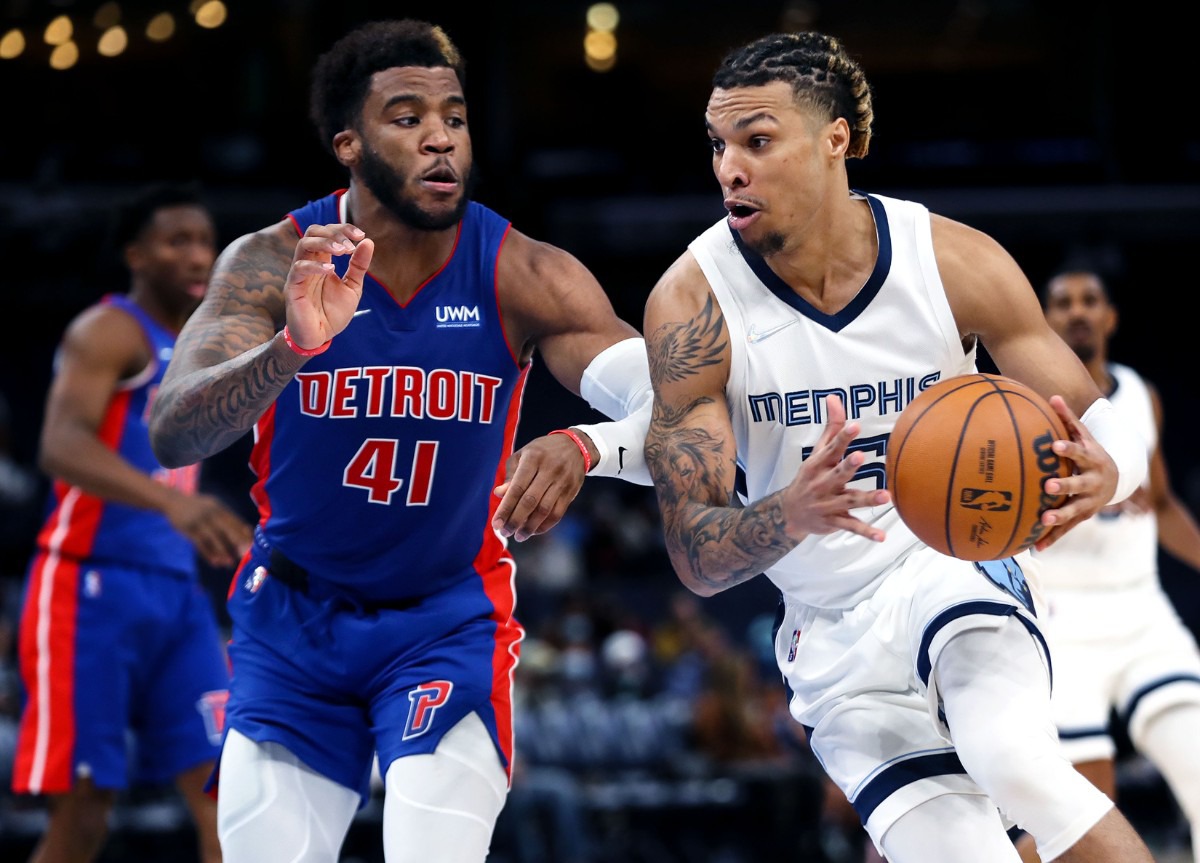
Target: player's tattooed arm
{"x": 714, "y": 543}
{"x": 230, "y": 362}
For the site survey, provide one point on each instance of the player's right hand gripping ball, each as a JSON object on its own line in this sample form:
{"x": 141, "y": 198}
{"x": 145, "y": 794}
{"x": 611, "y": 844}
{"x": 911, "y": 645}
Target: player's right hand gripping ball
{"x": 967, "y": 465}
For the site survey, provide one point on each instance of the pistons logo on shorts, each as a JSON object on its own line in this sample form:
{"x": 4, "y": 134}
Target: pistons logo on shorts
{"x": 211, "y": 706}
{"x": 423, "y": 703}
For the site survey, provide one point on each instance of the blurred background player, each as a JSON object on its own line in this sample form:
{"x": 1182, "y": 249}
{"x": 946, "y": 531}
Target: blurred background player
{"x": 116, "y": 632}
{"x": 1116, "y": 641}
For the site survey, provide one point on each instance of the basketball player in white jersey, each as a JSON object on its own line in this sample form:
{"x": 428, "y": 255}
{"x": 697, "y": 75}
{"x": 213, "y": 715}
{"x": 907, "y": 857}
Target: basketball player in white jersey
{"x": 784, "y": 344}
{"x": 1115, "y": 637}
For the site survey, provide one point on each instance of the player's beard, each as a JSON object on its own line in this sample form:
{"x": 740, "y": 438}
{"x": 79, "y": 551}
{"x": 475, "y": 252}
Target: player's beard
{"x": 385, "y": 184}
{"x": 771, "y": 243}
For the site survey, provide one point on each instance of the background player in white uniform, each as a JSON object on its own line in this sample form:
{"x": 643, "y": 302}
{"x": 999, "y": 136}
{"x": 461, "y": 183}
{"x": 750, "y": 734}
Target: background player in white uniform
{"x": 1115, "y": 637}
{"x": 783, "y": 346}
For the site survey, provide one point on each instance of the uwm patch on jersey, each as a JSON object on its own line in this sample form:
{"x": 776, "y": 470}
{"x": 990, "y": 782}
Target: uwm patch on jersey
{"x": 423, "y": 703}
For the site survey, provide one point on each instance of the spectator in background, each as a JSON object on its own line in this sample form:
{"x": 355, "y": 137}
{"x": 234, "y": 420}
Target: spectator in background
{"x": 1116, "y": 640}
{"x": 116, "y": 633}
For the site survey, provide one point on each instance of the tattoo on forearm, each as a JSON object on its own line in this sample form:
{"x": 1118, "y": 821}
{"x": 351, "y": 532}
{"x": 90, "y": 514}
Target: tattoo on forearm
{"x": 215, "y": 406}
{"x": 719, "y": 543}
{"x": 226, "y": 374}
{"x": 680, "y": 350}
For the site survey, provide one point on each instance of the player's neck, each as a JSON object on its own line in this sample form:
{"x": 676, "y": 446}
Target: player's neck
{"x": 159, "y": 312}
{"x": 405, "y": 257}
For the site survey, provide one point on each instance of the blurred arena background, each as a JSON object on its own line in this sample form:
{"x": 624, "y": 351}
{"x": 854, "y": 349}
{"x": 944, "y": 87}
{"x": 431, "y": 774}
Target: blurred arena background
{"x": 1058, "y": 128}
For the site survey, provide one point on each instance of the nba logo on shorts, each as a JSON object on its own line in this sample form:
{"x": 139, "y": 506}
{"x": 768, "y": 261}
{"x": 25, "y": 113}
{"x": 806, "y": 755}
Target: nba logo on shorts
{"x": 255, "y": 580}
{"x": 795, "y": 645}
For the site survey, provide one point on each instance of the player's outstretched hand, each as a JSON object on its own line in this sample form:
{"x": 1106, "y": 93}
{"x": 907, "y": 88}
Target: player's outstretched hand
{"x": 1089, "y": 489}
{"x": 319, "y": 302}
{"x": 819, "y": 499}
{"x": 221, "y": 537}
{"x": 541, "y": 480}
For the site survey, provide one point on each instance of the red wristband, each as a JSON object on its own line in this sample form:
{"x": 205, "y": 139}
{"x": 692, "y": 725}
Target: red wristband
{"x": 587, "y": 456}
{"x": 304, "y": 352}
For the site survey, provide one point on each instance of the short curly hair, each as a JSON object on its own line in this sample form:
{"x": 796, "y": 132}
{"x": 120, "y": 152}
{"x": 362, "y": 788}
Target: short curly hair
{"x": 342, "y": 75}
{"x": 135, "y": 212}
{"x": 822, "y": 76}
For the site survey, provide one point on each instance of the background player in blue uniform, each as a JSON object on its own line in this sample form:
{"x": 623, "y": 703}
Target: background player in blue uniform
{"x": 378, "y": 341}
{"x": 116, "y": 632}
{"x": 920, "y": 678}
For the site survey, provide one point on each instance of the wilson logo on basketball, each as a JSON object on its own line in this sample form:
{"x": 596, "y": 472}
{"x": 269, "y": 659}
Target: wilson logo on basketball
{"x": 968, "y": 461}
{"x": 1048, "y": 466}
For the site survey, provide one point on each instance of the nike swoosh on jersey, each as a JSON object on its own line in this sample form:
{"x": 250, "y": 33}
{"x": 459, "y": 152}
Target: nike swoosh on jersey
{"x": 620, "y": 459}
{"x": 360, "y": 312}
{"x": 754, "y": 334}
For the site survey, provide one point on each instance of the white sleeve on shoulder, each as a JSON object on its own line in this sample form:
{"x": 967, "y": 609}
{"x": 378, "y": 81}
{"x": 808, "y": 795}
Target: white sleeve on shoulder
{"x": 617, "y": 383}
{"x": 1121, "y": 442}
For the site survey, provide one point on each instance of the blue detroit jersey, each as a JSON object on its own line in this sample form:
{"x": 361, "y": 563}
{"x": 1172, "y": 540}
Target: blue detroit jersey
{"x": 82, "y": 526}
{"x": 376, "y": 464}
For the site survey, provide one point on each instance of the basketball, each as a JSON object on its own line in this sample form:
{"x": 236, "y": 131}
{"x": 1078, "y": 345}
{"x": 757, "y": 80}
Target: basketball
{"x": 967, "y": 462}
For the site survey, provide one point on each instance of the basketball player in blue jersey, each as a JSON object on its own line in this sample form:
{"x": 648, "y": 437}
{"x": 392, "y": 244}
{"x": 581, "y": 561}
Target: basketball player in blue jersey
{"x": 116, "y": 631}
{"x": 783, "y": 345}
{"x": 1117, "y": 642}
{"x": 377, "y": 341}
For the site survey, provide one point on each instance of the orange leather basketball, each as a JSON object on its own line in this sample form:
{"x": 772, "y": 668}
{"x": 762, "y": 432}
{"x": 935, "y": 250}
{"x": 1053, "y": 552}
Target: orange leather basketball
{"x": 967, "y": 464}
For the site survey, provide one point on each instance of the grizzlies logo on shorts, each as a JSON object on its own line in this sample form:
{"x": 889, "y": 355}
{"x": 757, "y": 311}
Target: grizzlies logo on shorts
{"x": 1007, "y": 576}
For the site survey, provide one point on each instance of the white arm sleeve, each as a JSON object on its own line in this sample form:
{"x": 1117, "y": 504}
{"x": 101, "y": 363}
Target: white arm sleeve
{"x": 1119, "y": 441}
{"x": 621, "y": 445}
{"x": 617, "y": 380}
{"x": 617, "y": 383}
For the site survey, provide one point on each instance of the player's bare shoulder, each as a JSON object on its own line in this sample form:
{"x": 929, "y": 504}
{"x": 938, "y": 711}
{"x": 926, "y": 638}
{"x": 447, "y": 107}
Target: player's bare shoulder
{"x": 530, "y": 270}
{"x": 686, "y": 334}
{"x": 981, "y": 279}
{"x": 109, "y": 335}
{"x": 681, "y": 291}
{"x": 544, "y": 290}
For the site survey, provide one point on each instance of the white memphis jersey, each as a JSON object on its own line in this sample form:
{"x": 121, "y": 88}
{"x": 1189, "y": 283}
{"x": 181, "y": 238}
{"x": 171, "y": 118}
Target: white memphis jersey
{"x": 1113, "y": 548}
{"x": 893, "y": 340}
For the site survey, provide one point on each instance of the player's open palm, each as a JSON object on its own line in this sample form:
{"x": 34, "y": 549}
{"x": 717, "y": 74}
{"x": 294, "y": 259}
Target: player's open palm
{"x": 320, "y": 303}
{"x": 819, "y": 499}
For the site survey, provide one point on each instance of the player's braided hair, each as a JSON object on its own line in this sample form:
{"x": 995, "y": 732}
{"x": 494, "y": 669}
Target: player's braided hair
{"x": 342, "y": 76}
{"x": 822, "y": 75}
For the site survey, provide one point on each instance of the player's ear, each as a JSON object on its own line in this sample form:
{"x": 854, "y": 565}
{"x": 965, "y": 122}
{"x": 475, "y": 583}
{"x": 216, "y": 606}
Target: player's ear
{"x": 346, "y": 147}
{"x": 133, "y": 256}
{"x": 837, "y": 137}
